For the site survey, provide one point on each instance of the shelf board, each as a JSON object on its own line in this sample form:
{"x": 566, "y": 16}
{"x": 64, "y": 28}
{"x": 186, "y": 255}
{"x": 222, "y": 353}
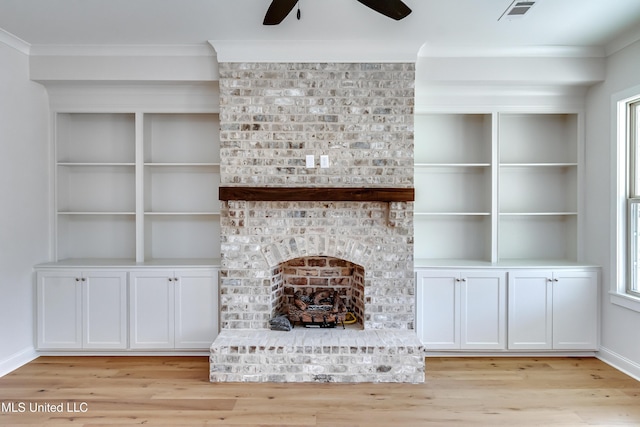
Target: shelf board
{"x": 337, "y": 194}
{"x": 181, "y": 213}
{"x": 538, "y": 165}
{"x": 451, "y": 213}
{"x": 95, "y": 164}
{"x": 165, "y": 164}
{"x": 94, "y": 213}
{"x": 115, "y": 263}
{"x": 538, "y": 213}
{"x": 452, "y": 165}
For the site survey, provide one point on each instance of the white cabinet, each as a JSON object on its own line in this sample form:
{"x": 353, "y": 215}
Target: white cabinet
{"x": 136, "y": 186}
{"x": 461, "y": 310}
{"x": 173, "y": 309}
{"x": 81, "y": 309}
{"x": 553, "y": 310}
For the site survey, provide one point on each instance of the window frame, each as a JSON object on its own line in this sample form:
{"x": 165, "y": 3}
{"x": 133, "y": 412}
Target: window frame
{"x": 632, "y": 140}
{"x": 625, "y": 284}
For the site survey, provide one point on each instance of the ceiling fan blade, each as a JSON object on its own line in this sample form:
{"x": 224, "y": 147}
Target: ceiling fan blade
{"x": 394, "y": 9}
{"x": 278, "y": 10}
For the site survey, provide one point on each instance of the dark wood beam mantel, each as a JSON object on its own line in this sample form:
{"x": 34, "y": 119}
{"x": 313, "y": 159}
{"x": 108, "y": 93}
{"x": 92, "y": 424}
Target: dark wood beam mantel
{"x": 320, "y": 194}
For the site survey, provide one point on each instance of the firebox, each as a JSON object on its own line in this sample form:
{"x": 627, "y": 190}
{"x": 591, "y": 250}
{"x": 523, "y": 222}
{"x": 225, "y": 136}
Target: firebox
{"x": 320, "y": 291}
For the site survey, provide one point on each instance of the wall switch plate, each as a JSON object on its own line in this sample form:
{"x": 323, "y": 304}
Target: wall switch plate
{"x": 324, "y": 161}
{"x": 311, "y": 161}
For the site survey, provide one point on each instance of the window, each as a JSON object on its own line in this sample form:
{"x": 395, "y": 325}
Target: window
{"x": 632, "y": 131}
{"x": 625, "y": 262}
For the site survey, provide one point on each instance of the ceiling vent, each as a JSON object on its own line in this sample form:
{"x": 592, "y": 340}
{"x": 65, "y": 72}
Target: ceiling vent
{"x": 517, "y": 9}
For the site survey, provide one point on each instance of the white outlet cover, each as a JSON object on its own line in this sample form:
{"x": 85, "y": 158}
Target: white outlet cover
{"x": 310, "y": 161}
{"x": 324, "y": 161}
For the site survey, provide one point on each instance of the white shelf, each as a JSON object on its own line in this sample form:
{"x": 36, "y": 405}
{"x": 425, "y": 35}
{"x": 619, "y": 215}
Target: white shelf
{"x": 538, "y": 189}
{"x": 207, "y": 165}
{"x": 96, "y": 236}
{"x": 96, "y": 189}
{"x": 181, "y": 138}
{"x": 418, "y": 214}
{"x": 95, "y": 138}
{"x": 546, "y": 237}
{"x": 137, "y": 186}
{"x": 497, "y": 187}
{"x": 452, "y": 236}
{"x": 452, "y": 165}
{"x": 181, "y": 236}
{"x": 93, "y": 213}
{"x": 538, "y": 138}
{"x": 181, "y": 189}
{"x": 453, "y": 138}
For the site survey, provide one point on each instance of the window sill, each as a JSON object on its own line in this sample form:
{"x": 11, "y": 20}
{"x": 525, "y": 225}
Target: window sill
{"x": 624, "y": 300}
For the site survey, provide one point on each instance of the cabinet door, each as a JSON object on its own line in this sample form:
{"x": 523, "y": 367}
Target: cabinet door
{"x": 438, "y": 309}
{"x": 59, "y": 310}
{"x": 196, "y": 297}
{"x": 483, "y": 308}
{"x": 151, "y": 306}
{"x": 105, "y": 309}
{"x": 530, "y": 313}
{"x": 575, "y": 310}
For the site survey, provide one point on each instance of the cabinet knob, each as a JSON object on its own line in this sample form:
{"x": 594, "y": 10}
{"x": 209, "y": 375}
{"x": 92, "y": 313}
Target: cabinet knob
{"x": 77, "y": 279}
{"x": 175, "y": 279}
{"x": 555, "y": 280}
{"x": 83, "y": 279}
{"x": 170, "y": 279}
{"x": 464, "y": 279}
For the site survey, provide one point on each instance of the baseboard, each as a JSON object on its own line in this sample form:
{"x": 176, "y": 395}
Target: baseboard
{"x": 619, "y": 362}
{"x": 16, "y": 360}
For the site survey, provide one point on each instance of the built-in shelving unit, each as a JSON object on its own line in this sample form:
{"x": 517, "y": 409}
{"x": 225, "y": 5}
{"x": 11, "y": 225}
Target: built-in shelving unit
{"x": 497, "y": 187}
{"x": 538, "y": 186}
{"x": 138, "y": 186}
{"x": 454, "y": 181}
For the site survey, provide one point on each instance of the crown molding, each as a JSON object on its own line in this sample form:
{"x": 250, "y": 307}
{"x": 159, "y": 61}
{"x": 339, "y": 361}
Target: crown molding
{"x": 348, "y": 51}
{"x": 15, "y": 42}
{"x": 123, "y": 50}
{"x": 428, "y": 50}
{"x": 123, "y": 63}
{"x": 627, "y": 39}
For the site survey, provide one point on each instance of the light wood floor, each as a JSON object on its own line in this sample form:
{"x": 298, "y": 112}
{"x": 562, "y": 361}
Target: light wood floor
{"x": 175, "y": 391}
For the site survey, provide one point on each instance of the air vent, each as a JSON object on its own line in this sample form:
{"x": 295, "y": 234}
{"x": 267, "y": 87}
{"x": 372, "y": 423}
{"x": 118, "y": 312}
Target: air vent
{"x": 517, "y": 9}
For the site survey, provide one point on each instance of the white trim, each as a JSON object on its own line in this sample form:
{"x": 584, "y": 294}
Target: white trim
{"x": 618, "y": 280}
{"x": 127, "y": 353}
{"x": 123, "y": 50}
{"x": 626, "y": 39}
{"x": 484, "y": 51}
{"x": 619, "y": 362}
{"x": 14, "y": 42}
{"x": 17, "y": 360}
{"x": 347, "y": 51}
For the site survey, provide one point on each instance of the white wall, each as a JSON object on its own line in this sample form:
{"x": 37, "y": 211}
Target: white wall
{"x": 24, "y": 199}
{"x": 620, "y": 334}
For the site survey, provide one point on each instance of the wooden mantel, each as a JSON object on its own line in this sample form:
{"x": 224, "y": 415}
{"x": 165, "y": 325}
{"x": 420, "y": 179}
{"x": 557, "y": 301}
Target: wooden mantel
{"x": 320, "y": 194}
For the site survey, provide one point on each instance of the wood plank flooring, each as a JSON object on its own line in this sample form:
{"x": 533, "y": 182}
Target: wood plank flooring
{"x": 175, "y": 391}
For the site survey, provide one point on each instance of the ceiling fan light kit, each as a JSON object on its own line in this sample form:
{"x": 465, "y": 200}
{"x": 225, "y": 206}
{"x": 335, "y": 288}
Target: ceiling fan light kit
{"x": 279, "y": 9}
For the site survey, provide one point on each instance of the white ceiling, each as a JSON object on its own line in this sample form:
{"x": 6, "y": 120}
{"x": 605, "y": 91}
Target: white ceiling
{"x": 602, "y": 23}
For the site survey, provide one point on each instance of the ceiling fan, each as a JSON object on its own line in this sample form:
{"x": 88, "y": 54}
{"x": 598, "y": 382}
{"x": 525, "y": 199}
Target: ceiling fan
{"x": 279, "y": 9}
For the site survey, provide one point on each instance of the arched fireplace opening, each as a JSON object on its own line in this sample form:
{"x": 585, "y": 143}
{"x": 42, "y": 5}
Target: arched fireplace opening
{"x": 320, "y": 291}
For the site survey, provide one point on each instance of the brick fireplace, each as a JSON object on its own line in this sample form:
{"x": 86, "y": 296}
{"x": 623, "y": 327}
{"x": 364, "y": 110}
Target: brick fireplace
{"x": 272, "y": 116}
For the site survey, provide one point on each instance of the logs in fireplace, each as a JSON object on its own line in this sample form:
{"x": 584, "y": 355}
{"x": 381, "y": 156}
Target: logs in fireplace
{"x": 323, "y": 308}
